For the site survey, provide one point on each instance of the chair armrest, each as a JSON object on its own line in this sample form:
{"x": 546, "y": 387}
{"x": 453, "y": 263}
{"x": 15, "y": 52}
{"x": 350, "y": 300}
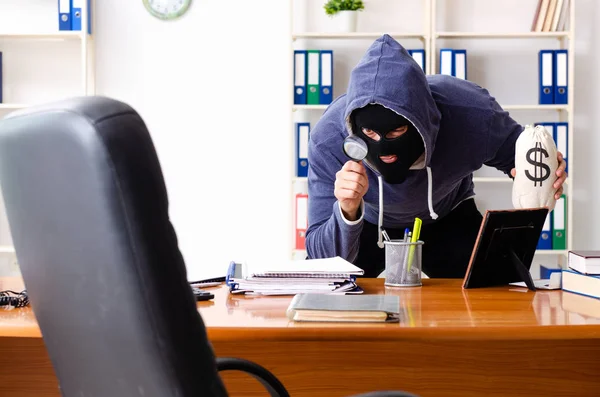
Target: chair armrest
{"x": 264, "y": 376}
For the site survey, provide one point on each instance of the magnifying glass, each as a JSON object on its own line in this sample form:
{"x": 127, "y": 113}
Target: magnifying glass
{"x": 355, "y": 148}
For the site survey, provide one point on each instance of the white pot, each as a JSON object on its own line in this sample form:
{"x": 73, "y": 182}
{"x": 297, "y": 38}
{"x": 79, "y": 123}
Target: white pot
{"x": 345, "y": 21}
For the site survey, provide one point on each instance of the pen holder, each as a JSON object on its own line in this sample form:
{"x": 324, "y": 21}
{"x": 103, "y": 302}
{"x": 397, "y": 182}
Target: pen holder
{"x": 403, "y": 263}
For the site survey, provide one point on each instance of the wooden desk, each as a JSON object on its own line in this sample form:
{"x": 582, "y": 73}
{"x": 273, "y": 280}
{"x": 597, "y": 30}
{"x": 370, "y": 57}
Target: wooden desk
{"x": 494, "y": 342}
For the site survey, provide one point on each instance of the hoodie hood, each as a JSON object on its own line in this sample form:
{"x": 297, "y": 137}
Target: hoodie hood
{"x": 389, "y": 76}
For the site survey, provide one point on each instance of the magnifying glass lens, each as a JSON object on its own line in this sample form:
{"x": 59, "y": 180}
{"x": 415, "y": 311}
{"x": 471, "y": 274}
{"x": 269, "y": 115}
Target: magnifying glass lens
{"x": 355, "y": 148}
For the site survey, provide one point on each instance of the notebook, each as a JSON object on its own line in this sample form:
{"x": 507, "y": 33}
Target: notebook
{"x": 587, "y": 262}
{"x": 344, "y": 308}
{"x": 579, "y": 283}
{"x": 335, "y": 267}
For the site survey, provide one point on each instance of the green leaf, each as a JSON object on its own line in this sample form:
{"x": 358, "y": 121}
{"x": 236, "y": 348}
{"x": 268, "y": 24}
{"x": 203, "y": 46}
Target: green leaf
{"x": 333, "y": 6}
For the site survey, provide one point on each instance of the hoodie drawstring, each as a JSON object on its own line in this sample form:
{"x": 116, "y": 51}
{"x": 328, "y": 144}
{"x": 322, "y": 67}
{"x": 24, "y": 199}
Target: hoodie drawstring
{"x": 430, "y": 194}
{"x": 429, "y": 204}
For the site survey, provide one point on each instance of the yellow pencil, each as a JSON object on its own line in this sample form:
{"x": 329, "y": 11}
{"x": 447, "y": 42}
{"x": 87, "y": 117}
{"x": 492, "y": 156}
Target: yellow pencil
{"x": 414, "y": 239}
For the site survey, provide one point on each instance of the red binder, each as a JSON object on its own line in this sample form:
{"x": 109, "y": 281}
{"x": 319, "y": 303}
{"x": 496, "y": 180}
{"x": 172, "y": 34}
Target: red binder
{"x": 301, "y": 220}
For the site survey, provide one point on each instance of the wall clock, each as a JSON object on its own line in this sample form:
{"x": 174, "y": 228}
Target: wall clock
{"x": 167, "y": 9}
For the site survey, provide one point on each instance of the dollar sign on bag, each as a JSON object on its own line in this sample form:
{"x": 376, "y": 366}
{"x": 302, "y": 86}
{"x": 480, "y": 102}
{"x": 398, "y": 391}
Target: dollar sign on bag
{"x": 541, "y": 170}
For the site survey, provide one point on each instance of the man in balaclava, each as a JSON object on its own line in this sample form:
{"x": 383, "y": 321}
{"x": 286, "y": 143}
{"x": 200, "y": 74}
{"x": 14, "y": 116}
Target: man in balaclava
{"x": 393, "y": 143}
{"x": 426, "y": 136}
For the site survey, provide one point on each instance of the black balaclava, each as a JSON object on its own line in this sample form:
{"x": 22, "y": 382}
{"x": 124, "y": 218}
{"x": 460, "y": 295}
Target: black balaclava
{"x": 408, "y": 147}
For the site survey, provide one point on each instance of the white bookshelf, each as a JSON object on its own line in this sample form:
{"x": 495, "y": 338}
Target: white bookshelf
{"x": 432, "y": 39}
{"x": 477, "y": 179}
{"x": 18, "y": 41}
{"x": 60, "y": 35}
{"x": 353, "y": 36}
{"x": 84, "y": 41}
{"x": 562, "y": 40}
{"x": 501, "y": 35}
{"x": 505, "y": 107}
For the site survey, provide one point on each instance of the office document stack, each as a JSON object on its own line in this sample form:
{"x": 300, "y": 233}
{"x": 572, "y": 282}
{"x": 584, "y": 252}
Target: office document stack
{"x": 453, "y": 62}
{"x": 69, "y": 15}
{"x": 320, "y": 276}
{"x": 553, "y": 77}
{"x": 301, "y": 220}
{"x": 554, "y": 232}
{"x": 580, "y": 283}
{"x": 313, "y": 77}
{"x": 551, "y": 16}
{"x": 419, "y": 57}
{"x": 302, "y": 138}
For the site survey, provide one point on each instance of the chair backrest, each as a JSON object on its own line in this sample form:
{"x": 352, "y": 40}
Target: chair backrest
{"x": 88, "y": 212}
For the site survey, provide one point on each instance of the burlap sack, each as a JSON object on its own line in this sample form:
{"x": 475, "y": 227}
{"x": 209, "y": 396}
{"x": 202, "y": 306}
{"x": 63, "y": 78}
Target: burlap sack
{"x": 536, "y": 164}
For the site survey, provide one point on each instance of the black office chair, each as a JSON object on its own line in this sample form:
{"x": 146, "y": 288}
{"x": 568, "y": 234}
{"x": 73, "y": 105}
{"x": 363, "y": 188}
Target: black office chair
{"x": 88, "y": 212}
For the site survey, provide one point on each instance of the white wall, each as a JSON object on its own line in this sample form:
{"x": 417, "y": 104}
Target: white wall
{"x": 214, "y": 89}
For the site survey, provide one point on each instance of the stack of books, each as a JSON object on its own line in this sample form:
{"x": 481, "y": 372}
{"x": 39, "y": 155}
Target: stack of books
{"x": 583, "y": 273}
{"x": 317, "y": 276}
{"x": 551, "y": 16}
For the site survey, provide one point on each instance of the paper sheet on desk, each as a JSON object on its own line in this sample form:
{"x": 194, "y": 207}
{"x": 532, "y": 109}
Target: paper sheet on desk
{"x": 552, "y": 283}
{"x": 346, "y": 288}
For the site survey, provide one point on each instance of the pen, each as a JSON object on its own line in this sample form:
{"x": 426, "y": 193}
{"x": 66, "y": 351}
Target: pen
{"x": 405, "y": 256}
{"x": 385, "y": 235}
{"x": 206, "y": 284}
{"x": 210, "y": 280}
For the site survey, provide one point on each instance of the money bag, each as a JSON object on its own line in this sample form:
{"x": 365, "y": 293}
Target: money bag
{"x": 536, "y": 164}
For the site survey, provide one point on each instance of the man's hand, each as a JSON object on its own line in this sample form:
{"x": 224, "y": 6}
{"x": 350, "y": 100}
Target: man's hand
{"x": 560, "y": 173}
{"x": 351, "y": 184}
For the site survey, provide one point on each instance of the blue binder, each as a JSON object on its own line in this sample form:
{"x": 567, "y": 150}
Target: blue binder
{"x": 545, "y": 241}
{"x": 64, "y": 15}
{"x": 446, "y": 61}
{"x": 419, "y": 57}
{"x": 300, "y": 77}
{"x": 76, "y": 10}
{"x": 302, "y": 138}
{"x": 459, "y": 64}
{"x": 561, "y": 77}
{"x": 326, "y": 77}
{"x": 561, "y": 137}
{"x": 546, "y": 77}
{"x": 547, "y": 270}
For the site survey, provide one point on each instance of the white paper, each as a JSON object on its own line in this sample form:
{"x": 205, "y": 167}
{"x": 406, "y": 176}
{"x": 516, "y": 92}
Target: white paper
{"x": 552, "y": 283}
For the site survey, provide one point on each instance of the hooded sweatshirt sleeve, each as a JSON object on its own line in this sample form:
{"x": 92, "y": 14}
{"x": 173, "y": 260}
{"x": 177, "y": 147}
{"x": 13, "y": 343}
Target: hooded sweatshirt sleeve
{"x": 329, "y": 234}
{"x": 502, "y": 137}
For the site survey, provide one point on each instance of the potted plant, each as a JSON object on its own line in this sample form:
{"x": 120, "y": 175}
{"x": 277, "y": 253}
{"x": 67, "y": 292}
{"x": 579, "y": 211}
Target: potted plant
{"x": 345, "y": 11}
